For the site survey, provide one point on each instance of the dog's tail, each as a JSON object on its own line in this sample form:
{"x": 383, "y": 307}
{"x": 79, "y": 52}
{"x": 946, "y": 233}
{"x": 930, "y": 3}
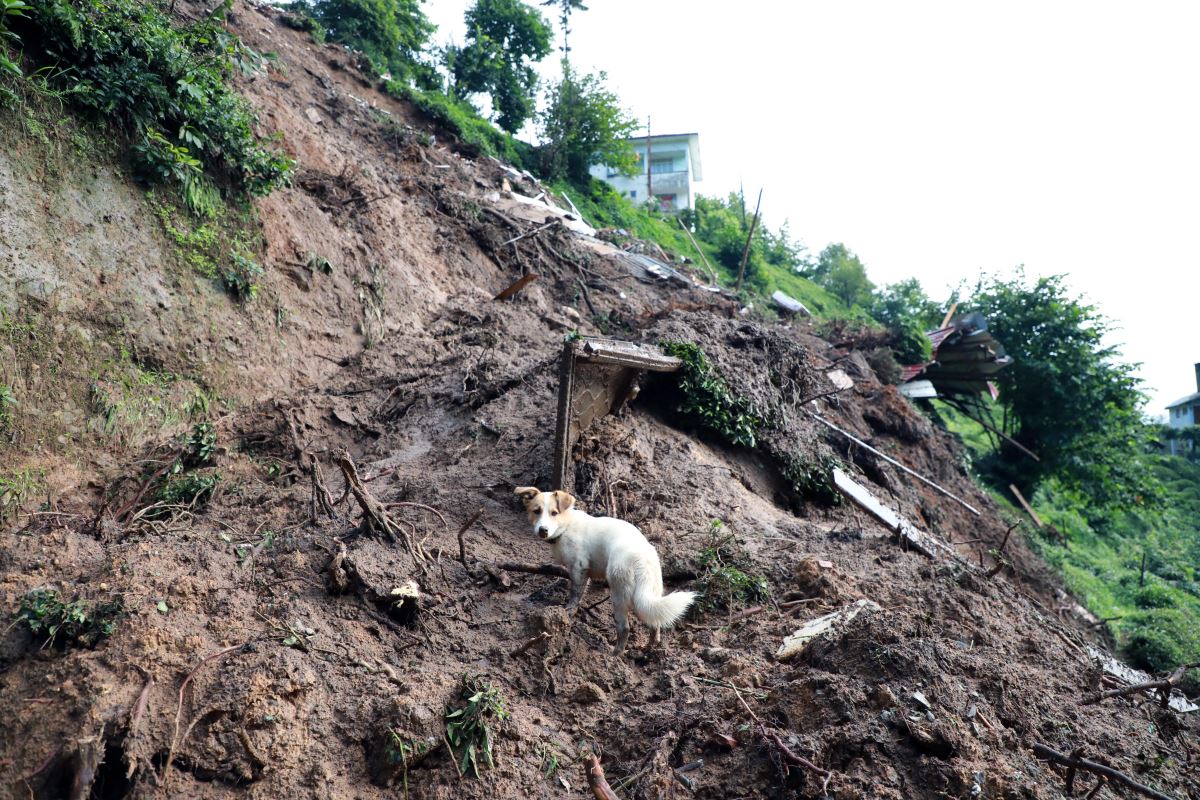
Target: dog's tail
{"x": 658, "y": 611}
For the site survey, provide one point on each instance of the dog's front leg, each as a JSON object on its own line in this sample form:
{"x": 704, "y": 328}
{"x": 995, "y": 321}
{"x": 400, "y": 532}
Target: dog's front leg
{"x": 579, "y": 587}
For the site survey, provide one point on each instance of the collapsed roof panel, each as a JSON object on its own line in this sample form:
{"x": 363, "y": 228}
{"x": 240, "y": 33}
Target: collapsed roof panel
{"x": 965, "y": 359}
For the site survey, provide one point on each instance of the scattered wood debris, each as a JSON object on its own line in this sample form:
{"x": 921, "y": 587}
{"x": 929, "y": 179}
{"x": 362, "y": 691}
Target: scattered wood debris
{"x": 795, "y": 643}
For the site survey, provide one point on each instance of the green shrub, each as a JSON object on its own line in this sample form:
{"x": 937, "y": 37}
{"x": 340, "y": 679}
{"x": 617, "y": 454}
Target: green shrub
{"x": 1154, "y": 595}
{"x": 298, "y": 17}
{"x": 812, "y": 479}
{"x": 468, "y": 728}
{"x": 8, "y": 401}
{"x": 54, "y": 623}
{"x": 191, "y": 490}
{"x": 165, "y": 87}
{"x": 706, "y": 400}
{"x": 1162, "y": 639}
{"x": 461, "y": 120}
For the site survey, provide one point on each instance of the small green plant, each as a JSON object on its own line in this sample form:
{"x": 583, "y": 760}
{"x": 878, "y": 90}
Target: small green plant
{"x": 551, "y": 761}
{"x": 8, "y": 401}
{"x": 8, "y": 67}
{"x": 240, "y": 277}
{"x": 467, "y": 728}
{"x": 191, "y": 490}
{"x": 404, "y": 753}
{"x": 708, "y": 401}
{"x": 55, "y": 623}
{"x": 200, "y": 445}
{"x": 15, "y": 487}
{"x": 724, "y": 584}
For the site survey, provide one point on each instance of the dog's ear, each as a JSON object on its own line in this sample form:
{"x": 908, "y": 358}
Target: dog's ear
{"x": 563, "y": 501}
{"x": 527, "y": 493}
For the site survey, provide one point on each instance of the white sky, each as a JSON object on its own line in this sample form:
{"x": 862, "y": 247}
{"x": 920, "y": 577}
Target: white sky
{"x": 942, "y": 139}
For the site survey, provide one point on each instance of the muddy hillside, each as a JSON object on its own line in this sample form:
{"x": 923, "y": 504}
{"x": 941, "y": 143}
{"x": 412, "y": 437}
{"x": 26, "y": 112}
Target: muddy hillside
{"x": 295, "y": 566}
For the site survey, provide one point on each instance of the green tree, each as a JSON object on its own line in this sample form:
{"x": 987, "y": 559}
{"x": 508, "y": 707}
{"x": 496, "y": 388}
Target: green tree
{"x": 1066, "y": 396}
{"x": 908, "y": 313}
{"x": 565, "y": 8}
{"x": 390, "y": 33}
{"x": 840, "y": 271}
{"x": 503, "y": 38}
{"x": 584, "y": 124}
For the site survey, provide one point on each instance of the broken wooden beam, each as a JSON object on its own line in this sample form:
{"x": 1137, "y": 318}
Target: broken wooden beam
{"x": 896, "y": 463}
{"x": 516, "y": 286}
{"x": 595, "y": 775}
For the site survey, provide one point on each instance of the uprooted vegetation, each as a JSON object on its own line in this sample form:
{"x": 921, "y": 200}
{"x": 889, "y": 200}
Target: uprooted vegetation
{"x": 305, "y": 630}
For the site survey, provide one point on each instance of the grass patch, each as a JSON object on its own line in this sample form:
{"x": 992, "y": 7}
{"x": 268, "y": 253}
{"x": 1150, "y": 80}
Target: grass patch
{"x": 59, "y": 624}
{"x": 16, "y": 487}
{"x": 468, "y": 727}
{"x": 461, "y": 120}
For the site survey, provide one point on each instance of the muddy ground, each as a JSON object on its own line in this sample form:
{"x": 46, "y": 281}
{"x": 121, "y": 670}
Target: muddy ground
{"x": 244, "y": 668}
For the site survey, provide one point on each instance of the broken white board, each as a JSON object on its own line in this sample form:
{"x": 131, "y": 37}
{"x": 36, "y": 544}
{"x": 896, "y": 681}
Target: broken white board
{"x": 790, "y": 304}
{"x": 1131, "y": 677}
{"x": 531, "y": 210}
{"x": 821, "y": 626}
{"x": 916, "y": 389}
{"x": 910, "y": 536}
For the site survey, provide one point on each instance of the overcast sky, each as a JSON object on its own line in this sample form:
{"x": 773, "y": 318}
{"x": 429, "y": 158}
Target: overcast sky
{"x": 943, "y": 139}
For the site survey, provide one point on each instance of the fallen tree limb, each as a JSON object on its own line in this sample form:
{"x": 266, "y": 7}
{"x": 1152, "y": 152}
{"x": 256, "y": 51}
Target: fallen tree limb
{"x": 1074, "y": 762}
{"x": 1162, "y": 688}
{"x": 462, "y": 547}
{"x": 375, "y": 516}
{"x": 596, "y": 779}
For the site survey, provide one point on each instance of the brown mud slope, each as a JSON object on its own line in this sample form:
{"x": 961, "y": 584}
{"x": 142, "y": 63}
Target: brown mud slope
{"x": 247, "y": 667}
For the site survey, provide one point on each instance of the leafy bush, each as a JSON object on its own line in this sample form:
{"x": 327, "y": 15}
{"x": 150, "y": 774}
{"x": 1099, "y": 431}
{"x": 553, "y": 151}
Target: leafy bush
{"x": 8, "y": 67}
{"x": 1154, "y": 595}
{"x": 54, "y": 623}
{"x": 8, "y": 401}
{"x": 200, "y": 445}
{"x": 706, "y": 400}
{"x": 299, "y": 17}
{"x": 583, "y": 124}
{"x": 1162, "y": 639}
{"x": 389, "y": 33}
{"x": 468, "y": 729}
{"x": 165, "y": 87}
{"x": 192, "y": 490}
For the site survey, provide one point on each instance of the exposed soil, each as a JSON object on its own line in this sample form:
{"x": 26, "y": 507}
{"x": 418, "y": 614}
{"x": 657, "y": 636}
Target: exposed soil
{"x": 258, "y": 671}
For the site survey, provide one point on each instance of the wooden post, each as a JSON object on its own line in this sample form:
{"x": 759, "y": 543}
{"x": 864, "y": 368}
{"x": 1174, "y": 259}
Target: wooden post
{"x": 707, "y": 266}
{"x": 749, "y": 238}
{"x": 1012, "y": 487}
{"x": 949, "y": 316}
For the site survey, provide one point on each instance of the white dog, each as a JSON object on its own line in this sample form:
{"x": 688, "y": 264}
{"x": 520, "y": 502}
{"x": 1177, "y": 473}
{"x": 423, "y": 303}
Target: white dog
{"x": 610, "y": 549}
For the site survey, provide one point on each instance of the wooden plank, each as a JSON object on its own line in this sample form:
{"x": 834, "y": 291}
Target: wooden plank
{"x": 627, "y": 354}
{"x": 949, "y": 316}
{"x": 896, "y": 463}
{"x": 1025, "y": 505}
{"x": 562, "y": 433}
{"x": 516, "y": 286}
{"x": 909, "y": 536}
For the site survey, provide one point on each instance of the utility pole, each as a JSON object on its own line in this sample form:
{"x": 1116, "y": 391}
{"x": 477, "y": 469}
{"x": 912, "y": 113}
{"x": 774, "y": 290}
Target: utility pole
{"x": 649, "y": 180}
{"x": 749, "y": 237}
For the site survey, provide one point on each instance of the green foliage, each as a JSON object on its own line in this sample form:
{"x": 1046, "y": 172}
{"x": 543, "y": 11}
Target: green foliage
{"x": 240, "y": 276}
{"x": 165, "y": 87}
{"x": 812, "y": 479}
{"x": 403, "y": 753}
{"x": 462, "y": 120}
{"x": 191, "y": 490}
{"x": 504, "y": 37}
{"x": 841, "y": 272}
{"x": 200, "y": 445}
{"x": 299, "y": 17}
{"x": 54, "y": 623}
{"x": 15, "y": 488}
{"x": 1164, "y": 638}
{"x": 1065, "y": 397}
{"x": 908, "y": 313}
{"x": 8, "y": 401}
{"x": 584, "y": 124}
{"x": 9, "y": 68}
{"x": 723, "y": 583}
{"x": 705, "y": 399}
{"x": 468, "y": 728}
{"x": 389, "y": 33}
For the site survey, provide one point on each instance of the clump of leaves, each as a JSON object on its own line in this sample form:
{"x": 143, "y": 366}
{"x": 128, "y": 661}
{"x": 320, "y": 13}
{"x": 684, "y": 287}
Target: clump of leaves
{"x": 812, "y": 479}
{"x": 240, "y": 277}
{"x": 298, "y": 18}
{"x": 467, "y": 728}
{"x": 200, "y": 445}
{"x": 55, "y": 623}
{"x": 318, "y": 263}
{"x": 191, "y": 490}
{"x": 724, "y": 583}
{"x": 708, "y": 401}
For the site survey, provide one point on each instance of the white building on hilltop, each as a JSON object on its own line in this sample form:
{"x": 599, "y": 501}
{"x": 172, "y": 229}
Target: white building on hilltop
{"x": 674, "y": 170}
